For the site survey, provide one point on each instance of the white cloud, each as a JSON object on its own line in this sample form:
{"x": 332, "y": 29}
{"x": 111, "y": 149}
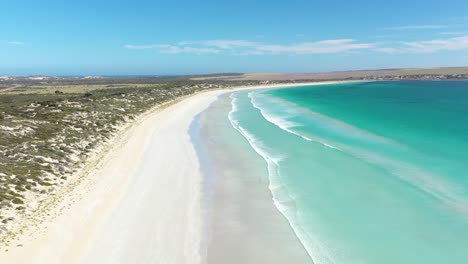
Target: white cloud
{"x": 427, "y": 46}
{"x": 221, "y": 44}
{"x": 245, "y": 47}
{"x": 414, "y": 27}
{"x": 430, "y": 46}
{"x": 319, "y": 47}
{"x": 453, "y": 33}
{"x": 173, "y": 49}
{"x": 12, "y": 42}
{"x": 185, "y": 49}
{"x": 334, "y": 46}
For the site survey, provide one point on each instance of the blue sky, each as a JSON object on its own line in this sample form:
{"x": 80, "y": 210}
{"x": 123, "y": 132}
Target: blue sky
{"x": 190, "y": 37}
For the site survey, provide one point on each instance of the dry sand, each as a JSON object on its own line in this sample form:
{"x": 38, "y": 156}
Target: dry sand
{"x": 139, "y": 204}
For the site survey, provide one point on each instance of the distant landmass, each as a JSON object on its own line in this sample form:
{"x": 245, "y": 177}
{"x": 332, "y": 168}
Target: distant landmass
{"x": 443, "y": 73}
{"x": 381, "y": 74}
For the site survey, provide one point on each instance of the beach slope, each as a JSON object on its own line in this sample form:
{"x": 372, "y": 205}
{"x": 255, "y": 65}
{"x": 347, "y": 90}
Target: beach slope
{"x": 138, "y": 202}
{"x": 141, "y": 205}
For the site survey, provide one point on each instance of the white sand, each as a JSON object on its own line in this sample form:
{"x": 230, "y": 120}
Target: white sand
{"x": 141, "y": 203}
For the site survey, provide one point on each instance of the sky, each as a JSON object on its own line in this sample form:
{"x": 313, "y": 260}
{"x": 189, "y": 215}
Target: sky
{"x": 92, "y": 37}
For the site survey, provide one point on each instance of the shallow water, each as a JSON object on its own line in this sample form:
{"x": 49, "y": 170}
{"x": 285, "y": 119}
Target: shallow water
{"x": 366, "y": 172}
{"x": 242, "y": 225}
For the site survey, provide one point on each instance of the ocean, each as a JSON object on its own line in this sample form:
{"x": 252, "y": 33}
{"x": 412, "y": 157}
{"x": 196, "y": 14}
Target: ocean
{"x": 364, "y": 172}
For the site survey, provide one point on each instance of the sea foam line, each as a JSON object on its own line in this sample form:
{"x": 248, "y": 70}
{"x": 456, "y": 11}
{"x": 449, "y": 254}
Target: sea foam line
{"x": 318, "y": 254}
{"x": 335, "y": 124}
{"x": 434, "y": 185}
{"x": 283, "y": 123}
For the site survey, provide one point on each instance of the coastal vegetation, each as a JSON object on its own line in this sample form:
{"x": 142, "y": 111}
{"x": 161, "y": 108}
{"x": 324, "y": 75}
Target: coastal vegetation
{"x": 50, "y": 128}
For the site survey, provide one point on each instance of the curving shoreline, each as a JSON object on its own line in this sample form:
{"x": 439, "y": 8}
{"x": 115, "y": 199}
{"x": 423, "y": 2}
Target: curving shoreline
{"x": 103, "y": 218}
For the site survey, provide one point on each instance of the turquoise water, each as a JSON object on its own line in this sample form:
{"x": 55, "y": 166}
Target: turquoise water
{"x": 366, "y": 172}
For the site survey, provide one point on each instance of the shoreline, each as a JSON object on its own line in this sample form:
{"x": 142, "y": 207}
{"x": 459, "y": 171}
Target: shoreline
{"x": 98, "y": 193}
{"x": 243, "y": 223}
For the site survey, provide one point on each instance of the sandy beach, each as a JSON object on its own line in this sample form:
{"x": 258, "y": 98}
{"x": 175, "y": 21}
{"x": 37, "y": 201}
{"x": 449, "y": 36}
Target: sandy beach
{"x": 243, "y": 223}
{"x": 138, "y": 203}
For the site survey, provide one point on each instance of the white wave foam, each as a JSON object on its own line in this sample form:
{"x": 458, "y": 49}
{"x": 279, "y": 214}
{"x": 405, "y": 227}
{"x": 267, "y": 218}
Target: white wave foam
{"x": 321, "y": 120}
{"x": 283, "y": 123}
{"x": 449, "y": 193}
{"x": 425, "y": 181}
{"x": 318, "y": 254}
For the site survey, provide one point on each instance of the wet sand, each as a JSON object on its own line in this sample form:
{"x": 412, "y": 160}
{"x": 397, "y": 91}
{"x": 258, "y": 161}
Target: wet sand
{"x": 243, "y": 224}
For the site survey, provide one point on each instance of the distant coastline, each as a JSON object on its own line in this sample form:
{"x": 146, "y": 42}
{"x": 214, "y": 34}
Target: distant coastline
{"x": 441, "y": 73}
